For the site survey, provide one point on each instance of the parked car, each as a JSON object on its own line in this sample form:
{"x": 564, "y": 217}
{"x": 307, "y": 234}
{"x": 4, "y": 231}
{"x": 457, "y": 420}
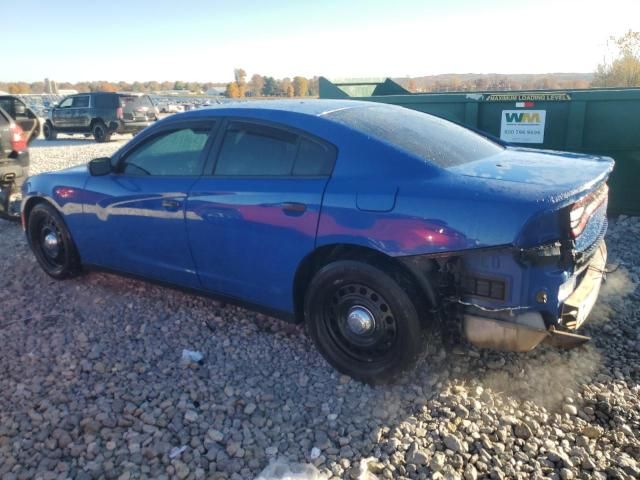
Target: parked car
{"x": 22, "y": 115}
{"x": 14, "y": 165}
{"x": 100, "y": 114}
{"x": 167, "y": 107}
{"x": 371, "y": 223}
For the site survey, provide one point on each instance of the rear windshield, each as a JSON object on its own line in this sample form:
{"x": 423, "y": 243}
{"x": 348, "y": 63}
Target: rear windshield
{"x": 427, "y": 137}
{"x": 134, "y": 102}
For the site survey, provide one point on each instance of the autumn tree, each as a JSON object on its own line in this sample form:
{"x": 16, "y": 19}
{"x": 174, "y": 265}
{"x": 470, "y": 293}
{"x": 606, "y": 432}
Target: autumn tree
{"x": 256, "y": 85}
{"x": 300, "y": 87}
{"x": 105, "y": 87}
{"x": 240, "y": 79}
{"x": 314, "y": 88}
{"x": 19, "y": 88}
{"x": 233, "y": 91}
{"x": 624, "y": 70}
{"x": 285, "y": 87}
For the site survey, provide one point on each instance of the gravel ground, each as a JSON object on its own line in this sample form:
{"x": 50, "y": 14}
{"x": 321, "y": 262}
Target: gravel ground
{"x": 92, "y": 385}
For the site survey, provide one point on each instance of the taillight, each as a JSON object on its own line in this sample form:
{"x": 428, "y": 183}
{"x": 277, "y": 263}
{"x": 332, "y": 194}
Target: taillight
{"x": 582, "y": 210}
{"x": 18, "y": 138}
{"x": 119, "y": 113}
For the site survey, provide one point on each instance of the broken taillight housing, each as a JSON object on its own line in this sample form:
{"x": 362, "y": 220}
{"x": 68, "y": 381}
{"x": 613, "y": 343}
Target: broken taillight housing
{"x": 582, "y": 210}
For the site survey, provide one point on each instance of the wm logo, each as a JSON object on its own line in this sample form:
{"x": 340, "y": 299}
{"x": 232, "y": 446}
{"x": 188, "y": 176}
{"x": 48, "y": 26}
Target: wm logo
{"x": 522, "y": 117}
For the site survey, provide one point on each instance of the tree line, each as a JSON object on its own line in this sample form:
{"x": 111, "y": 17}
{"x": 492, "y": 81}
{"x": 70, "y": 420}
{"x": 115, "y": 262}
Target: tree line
{"x": 104, "y": 86}
{"x": 265, "y": 86}
{"x": 258, "y": 86}
{"x": 622, "y": 70}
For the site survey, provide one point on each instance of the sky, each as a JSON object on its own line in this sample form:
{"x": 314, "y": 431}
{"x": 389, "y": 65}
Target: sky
{"x": 200, "y": 40}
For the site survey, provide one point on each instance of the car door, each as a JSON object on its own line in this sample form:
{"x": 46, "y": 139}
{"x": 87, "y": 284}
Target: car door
{"x": 61, "y": 114}
{"x": 79, "y": 116}
{"x": 135, "y": 216}
{"x": 254, "y": 217}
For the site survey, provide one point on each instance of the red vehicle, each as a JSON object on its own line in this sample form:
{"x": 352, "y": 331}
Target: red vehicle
{"x": 14, "y": 164}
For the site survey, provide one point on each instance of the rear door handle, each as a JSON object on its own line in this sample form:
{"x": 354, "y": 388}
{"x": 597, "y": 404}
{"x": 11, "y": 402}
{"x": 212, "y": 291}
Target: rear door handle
{"x": 294, "y": 208}
{"x": 171, "y": 205}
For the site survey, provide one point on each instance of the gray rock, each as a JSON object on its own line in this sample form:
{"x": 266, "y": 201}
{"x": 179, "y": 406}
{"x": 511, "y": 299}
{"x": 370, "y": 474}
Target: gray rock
{"x": 522, "y": 430}
{"x": 453, "y": 443}
{"x": 438, "y": 461}
{"x": 416, "y": 456}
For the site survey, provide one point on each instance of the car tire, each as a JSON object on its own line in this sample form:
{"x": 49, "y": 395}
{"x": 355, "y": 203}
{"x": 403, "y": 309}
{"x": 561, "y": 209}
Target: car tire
{"x": 51, "y": 242}
{"x": 101, "y": 132}
{"x": 363, "y": 322}
{"x": 49, "y": 132}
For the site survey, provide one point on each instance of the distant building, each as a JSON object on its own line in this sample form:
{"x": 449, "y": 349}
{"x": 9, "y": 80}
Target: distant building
{"x": 216, "y": 91}
{"x": 69, "y": 91}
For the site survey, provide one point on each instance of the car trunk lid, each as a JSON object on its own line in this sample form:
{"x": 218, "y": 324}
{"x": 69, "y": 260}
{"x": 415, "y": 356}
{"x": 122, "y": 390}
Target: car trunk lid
{"x": 569, "y": 188}
{"x": 563, "y": 171}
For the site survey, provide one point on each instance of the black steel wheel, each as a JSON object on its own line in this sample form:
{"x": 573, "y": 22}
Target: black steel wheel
{"x": 51, "y": 242}
{"x": 49, "y": 132}
{"x": 362, "y": 321}
{"x": 100, "y": 132}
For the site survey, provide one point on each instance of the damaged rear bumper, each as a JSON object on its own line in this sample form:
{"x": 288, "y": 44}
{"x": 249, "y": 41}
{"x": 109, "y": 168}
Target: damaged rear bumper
{"x": 521, "y": 332}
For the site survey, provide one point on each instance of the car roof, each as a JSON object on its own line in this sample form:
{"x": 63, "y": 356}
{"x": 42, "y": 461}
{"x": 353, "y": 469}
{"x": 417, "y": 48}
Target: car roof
{"x": 312, "y": 107}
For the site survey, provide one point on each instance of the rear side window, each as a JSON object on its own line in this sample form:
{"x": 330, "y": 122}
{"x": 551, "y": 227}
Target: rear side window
{"x": 106, "y": 101}
{"x": 175, "y": 152}
{"x": 258, "y": 150}
{"x": 314, "y": 159}
{"x": 81, "y": 102}
{"x": 430, "y": 138}
{"x": 4, "y": 119}
{"x": 7, "y": 105}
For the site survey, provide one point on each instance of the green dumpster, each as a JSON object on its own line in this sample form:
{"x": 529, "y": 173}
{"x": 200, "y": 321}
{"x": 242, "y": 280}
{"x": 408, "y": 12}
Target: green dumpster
{"x": 598, "y": 121}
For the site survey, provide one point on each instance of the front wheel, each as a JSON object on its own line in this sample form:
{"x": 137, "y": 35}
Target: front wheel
{"x": 100, "y": 132}
{"x": 362, "y": 321}
{"x": 51, "y": 242}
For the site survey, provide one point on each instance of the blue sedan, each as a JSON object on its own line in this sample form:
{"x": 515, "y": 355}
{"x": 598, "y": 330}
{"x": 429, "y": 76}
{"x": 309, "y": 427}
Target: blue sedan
{"x": 370, "y": 223}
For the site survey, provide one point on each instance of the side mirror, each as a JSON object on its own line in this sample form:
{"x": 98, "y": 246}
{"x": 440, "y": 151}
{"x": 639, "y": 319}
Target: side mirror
{"x": 100, "y": 166}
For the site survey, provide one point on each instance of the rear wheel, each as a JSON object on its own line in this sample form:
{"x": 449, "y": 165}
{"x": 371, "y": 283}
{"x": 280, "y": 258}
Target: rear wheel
{"x": 49, "y": 132}
{"x": 362, "y": 321}
{"x": 51, "y": 242}
{"x": 100, "y": 132}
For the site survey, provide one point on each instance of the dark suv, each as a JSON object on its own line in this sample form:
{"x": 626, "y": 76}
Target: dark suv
{"x": 22, "y": 115}
{"x": 100, "y": 114}
{"x": 14, "y": 164}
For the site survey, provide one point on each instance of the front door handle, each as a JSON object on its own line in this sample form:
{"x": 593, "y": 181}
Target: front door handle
{"x": 171, "y": 205}
{"x": 294, "y": 208}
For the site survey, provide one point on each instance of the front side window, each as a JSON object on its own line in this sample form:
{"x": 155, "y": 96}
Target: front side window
{"x": 66, "y": 103}
{"x": 176, "y": 152}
